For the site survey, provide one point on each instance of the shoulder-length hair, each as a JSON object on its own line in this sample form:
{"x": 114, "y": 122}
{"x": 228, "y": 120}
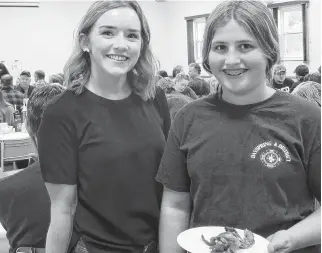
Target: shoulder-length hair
{"x": 254, "y": 17}
{"x": 142, "y": 78}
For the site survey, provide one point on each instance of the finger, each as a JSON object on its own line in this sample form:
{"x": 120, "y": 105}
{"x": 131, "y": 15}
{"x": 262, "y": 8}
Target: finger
{"x": 270, "y": 248}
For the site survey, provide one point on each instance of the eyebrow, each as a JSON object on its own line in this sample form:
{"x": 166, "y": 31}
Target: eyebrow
{"x": 115, "y": 28}
{"x": 239, "y": 41}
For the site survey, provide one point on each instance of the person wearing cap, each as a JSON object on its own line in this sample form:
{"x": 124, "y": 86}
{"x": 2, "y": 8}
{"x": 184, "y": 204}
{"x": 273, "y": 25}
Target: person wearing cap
{"x": 280, "y": 81}
{"x": 300, "y": 71}
{"x": 24, "y": 86}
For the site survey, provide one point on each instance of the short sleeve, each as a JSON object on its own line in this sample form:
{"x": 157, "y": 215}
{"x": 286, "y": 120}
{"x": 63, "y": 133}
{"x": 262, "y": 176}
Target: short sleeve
{"x": 57, "y": 146}
{"x": 173, "y": 172}
{"x": 161, "y": 105}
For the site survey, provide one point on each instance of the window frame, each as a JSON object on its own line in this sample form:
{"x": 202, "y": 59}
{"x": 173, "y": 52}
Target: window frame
{"x": 276, "y": 8}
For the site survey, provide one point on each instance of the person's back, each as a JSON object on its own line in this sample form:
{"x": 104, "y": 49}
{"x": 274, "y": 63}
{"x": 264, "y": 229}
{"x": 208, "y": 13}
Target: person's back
{"x": 10, "y": 94}
{"x": 200, "y": 86}
{"x": 25, "y": 208}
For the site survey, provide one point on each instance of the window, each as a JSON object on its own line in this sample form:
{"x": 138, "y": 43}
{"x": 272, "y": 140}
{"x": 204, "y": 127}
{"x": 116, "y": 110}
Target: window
{"x": 195, "y": 30}
{"x": 198, "y": 31}
{"x": 291, "y": 19}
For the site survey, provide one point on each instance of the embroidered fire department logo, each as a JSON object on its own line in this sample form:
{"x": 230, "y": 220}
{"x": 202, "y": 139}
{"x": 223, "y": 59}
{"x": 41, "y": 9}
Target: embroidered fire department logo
{"x": 271, "y": 158}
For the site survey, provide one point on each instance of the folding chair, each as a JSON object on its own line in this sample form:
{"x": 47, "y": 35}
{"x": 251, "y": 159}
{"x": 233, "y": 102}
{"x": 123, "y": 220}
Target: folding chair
{"x": 16, "y": 150}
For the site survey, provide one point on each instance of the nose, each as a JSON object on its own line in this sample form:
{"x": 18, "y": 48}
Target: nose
{"x": 232, "y": 57}
{"x": 120, "y": 42}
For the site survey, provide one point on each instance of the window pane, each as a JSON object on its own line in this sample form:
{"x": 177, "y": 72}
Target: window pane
{"x": 293, "y": 21}
{"x": 200, "y": 30}
{"x": 293, "y": 45}
{"x": 198, "y": 53}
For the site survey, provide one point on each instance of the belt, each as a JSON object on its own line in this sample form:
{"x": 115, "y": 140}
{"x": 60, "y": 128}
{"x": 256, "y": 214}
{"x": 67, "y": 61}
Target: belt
{"x": 30, "y": 250}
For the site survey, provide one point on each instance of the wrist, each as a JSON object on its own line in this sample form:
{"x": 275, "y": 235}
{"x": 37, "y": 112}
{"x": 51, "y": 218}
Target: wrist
{"x": 292, "y": 240}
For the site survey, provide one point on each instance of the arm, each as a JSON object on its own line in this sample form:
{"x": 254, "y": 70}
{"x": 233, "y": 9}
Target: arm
{"x": 303, "y": 234}
{"x": 63, "y": 200}
{"x": 175, "y": 215}
{"x": 307, "y": 232}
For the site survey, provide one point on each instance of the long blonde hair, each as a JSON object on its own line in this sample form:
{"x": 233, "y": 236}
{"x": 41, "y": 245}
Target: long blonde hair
{"x": 142, "y": 78}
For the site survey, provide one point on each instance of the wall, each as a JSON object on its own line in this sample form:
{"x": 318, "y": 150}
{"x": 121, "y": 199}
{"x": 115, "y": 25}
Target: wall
{"x": 42, "y": 38}
{"x": 178, "y": 10}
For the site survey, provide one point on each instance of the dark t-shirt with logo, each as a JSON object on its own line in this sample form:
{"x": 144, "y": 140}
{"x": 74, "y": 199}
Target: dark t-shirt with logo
{"x": 253, "y": 166}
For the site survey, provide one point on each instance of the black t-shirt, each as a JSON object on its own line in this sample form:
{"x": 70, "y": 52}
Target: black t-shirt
{"x": 288, "y": 82}
{"x": 25, "y": 208}
{"x": 254, "y": 166}
{"x": 111, "y": 149}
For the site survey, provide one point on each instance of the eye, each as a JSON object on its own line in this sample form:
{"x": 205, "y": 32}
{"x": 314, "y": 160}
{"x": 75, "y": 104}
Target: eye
{"x": 134, "y": 36}
{"x": 246, "y": 47}
{"x": 107, "y": 33}
{"x": 220, "y": 48}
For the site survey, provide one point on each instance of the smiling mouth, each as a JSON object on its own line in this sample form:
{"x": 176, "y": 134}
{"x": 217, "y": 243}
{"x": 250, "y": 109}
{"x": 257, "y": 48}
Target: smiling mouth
{"x": 120, "y": 58}
{"x": 234, "y": 72}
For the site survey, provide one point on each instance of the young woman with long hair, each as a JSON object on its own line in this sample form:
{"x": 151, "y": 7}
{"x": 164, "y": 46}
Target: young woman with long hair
{"x": 101, "y": 142}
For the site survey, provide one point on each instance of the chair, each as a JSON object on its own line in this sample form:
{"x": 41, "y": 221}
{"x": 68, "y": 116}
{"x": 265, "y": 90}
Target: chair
{"x": 16, "y": 150}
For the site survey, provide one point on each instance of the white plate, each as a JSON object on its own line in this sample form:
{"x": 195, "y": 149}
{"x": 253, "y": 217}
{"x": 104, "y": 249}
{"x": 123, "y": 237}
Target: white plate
{"x": 191, "y": 241}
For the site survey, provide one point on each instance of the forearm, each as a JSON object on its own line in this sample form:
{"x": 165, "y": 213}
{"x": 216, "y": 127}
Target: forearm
{"x": 59, "y": 233}
{"x": 307, "y": 232}
{"x": 173, "y": 221}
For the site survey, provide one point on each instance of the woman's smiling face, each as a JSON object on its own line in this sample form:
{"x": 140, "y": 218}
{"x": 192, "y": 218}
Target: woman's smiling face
{"x": 236, "y": 59}
{"x": 115, "y": 41}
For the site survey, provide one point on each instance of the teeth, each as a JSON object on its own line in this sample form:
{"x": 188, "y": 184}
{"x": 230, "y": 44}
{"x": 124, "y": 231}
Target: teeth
{"x": 117, "y": 58}
{"x": 234, "y": 72}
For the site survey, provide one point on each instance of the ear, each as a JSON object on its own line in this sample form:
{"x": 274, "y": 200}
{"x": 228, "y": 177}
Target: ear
{"x": 84, "y": 42}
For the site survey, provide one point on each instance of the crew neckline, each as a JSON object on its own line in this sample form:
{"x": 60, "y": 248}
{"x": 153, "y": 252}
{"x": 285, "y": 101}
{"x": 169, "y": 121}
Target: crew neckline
{"x": 105, "y": 101}
{"x": 224, "y": 103}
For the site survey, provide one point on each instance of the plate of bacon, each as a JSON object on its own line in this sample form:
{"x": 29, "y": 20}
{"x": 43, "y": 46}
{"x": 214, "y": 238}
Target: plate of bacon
{"x": 213, "y": 239}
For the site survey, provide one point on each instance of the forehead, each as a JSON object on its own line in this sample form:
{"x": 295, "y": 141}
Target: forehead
{"x": 121, "y": 18}
{"x": 232, "y": 32}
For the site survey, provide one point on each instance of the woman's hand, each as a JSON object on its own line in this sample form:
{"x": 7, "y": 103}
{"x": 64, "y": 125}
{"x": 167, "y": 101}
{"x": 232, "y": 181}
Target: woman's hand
{"x": 280, "y": 242}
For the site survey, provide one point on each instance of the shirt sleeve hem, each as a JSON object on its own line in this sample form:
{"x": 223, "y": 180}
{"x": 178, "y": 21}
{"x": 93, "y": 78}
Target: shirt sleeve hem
{"x": 173, "y": 187}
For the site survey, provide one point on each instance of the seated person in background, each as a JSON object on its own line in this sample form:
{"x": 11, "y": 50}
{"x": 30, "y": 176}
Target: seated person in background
{"x": 39, "y": 78}
{"x": 166, "y": 84}
{"x": 181, "y": 85}
{"x": 310, "y": 91}
{"x": 175, "y": 102}
{"x": 57, "y": 78}
{"x": 161, "y": 74}
{"x": 200, "y": 87}
{"x": 11, "y": 95}
{"x": 176, "y": 70}
{"x": 198, "y": 84}
{"x": 300, "y": 72}
{"x": 6, "y": 111}
{"x": 24, "y": 201}
{"x": 24, "y": 86}
{"x": 314, "y": 77}
{"x": 280, "y": 81}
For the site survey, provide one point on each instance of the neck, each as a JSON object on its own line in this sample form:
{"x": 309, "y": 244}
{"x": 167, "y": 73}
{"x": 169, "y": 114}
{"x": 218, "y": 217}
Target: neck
{"x": 260, "y": 94}
{"x": 114, "y": 88}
